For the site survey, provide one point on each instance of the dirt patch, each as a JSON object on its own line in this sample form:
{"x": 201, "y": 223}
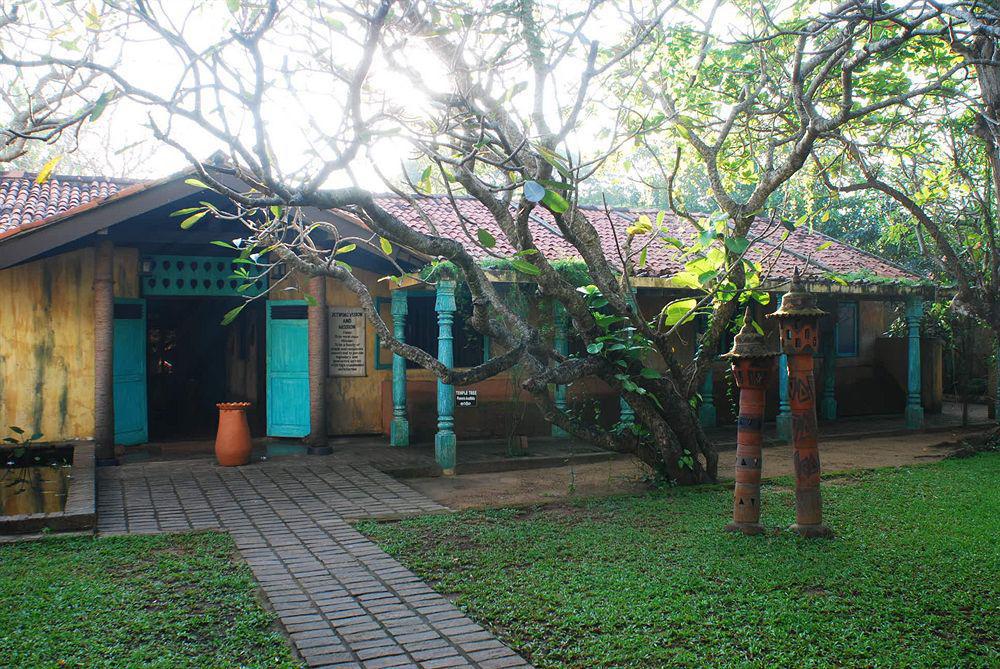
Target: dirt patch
{"x": 629, "y": 476}
{"x": 536, "y": 486}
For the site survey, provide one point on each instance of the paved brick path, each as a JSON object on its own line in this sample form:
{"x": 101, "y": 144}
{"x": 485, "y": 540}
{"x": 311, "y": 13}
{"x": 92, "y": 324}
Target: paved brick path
{"x": 343, "y": 601}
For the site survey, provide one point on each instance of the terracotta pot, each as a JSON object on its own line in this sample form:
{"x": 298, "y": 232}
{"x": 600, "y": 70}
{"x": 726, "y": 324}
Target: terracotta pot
{"x": 232, "y": 443}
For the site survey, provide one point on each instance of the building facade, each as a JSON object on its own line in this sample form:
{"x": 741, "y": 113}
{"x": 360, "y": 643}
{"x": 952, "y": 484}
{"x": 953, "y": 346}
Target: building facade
{"x": 110, "y": 328}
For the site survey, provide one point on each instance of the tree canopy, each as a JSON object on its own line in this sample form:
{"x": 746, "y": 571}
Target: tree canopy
{"x": 724, "y": 114}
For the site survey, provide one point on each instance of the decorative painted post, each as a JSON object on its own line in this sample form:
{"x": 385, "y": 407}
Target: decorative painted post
{"x": 561, "y": 344}
{"x": 444, "y": 440}
{"x": 319, "y": 349}
{"x": 707, "y": 414}
{"x": 783, "y": 421}
{"x": 752, "y": 364}
{"x": 798, "y": 327}
{"x": 914, "y": 407}
{"x": 104, "y": 334}
{"x": 828, "y": 405}
{"x": 399, "y": 429}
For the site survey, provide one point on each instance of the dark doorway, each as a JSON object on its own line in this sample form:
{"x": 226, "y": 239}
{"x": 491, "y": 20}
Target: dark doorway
{"x": 194, "y": 362}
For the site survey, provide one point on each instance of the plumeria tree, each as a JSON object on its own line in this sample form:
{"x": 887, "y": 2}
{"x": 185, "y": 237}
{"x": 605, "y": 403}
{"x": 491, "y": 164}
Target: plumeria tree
{"x": 519, "y": 105}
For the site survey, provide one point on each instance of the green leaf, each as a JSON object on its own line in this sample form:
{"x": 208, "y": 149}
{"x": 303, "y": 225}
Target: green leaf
{"x": 101, "y": 105}
{"x": 46, "y": 171}
{"x": 233, "y": 313}
{"x": 386, "y": 245}
{"x": 186, "y": 211}
{"x": 347, "y": 248}
{"x": 233, "y": 5}
{"x": 737, "y": 244}
{"x": 677, "y": 311}
{"x": 525, "y": 267}
{"x": 555, "y": 202}
{"x": 534, "y": 191}
{"x": 225, "y": 245}
{"x": 650, "y": 373}
{"x": 192, "y": 219}
{"x": 275, "y": 210}
{"x": 310, "y": 300}
{"x": 824, "y": 246}
{"x": 197, "y": 183}
{"x": 642, "y": 257}
{"x": 487, "y": 240}
{"x": 595, "y": 348}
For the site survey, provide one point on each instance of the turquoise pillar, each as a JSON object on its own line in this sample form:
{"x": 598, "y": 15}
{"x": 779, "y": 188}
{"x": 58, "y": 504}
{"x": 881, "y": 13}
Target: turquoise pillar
{"x": 914, "y": 407}
{"x": 625, "y": 413}
{"x": 996, "y": 391}
{"x": 784, "y": 418}
{"x": 399, "y": 430}
{"x": 828, "y": 403}
{"x": 444, "y": 440}
{"x": 561, "y": 344}
{"x": 707, "y": 414}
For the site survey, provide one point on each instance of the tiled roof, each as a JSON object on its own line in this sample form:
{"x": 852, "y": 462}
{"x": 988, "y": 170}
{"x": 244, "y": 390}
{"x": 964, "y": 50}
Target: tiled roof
{"x": 22, "y": 201}
{"x": 815, "y": 254}
{"x": 25, "y": 204}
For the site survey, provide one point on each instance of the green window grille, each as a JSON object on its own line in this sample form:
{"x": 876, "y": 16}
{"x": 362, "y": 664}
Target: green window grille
{"x": 196, "y": 275}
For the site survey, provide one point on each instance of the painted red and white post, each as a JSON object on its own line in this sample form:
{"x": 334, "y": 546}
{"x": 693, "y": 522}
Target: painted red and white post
{"x": 752, "y": 364}
{"x": 798, "y": 328}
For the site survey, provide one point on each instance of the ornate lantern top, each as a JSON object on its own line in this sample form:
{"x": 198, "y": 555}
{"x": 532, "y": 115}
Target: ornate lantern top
{"x": 749, "y": 343}
{"x": 797, "y": 302}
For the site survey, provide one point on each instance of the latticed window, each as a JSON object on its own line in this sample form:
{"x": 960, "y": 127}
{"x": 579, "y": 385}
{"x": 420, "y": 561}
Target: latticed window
{"x": 847, "y": 329}
{"x": 422, "y": 332}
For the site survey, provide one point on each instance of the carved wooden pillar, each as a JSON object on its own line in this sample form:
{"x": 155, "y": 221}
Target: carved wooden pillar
{"x": 752, "y": 364}
{"x": 318, "y": 353}
{"x": 399, "y": 430}
{"x": 798, "y": 328}
{"x": 104, "y": 333}
{"x": 914, "y": 403}
{"x": 707, "y": 414}
{"x": 561, "y": 344}
{"x": 783, "y": 421}
{"x": 828, "y": 406}
{"x": 444, "y": 440}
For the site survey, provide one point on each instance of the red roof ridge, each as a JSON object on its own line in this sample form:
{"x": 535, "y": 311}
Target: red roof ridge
{"x": 82, "y": 178}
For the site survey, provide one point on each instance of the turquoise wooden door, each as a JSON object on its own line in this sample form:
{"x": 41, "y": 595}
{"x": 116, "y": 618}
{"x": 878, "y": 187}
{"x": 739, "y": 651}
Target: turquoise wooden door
{"x": 287, "y": 369}
{"x": 129, "y": 355}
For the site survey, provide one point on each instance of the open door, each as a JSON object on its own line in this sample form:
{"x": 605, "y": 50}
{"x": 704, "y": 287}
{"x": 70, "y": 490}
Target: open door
{"x": 129, "y": 353}
{"x": 287, "y": 369}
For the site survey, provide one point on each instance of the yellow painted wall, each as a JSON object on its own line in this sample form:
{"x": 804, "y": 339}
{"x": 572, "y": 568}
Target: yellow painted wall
{"x": 47, "y": 342}
{"x": 354, "y": 404}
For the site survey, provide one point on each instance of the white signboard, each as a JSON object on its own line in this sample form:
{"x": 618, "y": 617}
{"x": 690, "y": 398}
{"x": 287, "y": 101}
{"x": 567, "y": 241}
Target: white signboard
{"x": 347, "y": 341}
{"x": 466, "y": 398}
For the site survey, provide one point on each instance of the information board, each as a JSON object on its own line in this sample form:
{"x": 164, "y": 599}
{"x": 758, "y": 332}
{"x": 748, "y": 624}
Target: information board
{"x": 347, "y": 341}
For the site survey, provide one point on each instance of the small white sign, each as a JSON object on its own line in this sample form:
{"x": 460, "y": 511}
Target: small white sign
{"x": 347, "y": 341}
{"x": 466, "y": 398}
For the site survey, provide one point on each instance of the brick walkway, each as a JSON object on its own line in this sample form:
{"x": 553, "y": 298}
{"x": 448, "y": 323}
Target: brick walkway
{"x": 343, "y": 601}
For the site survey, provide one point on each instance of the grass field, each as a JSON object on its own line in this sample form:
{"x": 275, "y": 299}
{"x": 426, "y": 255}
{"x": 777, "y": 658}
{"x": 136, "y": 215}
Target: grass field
{"x": 155, "y": 601}
{"x": 912, "y": 579}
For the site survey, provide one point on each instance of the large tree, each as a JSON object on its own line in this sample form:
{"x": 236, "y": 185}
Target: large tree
{"x": 519, "y": 105}
{"x": 42, "y": 106}
{"x": 493, "y": 99}
{"x": 755, "y": 92}
{"x": 939, "y": 162}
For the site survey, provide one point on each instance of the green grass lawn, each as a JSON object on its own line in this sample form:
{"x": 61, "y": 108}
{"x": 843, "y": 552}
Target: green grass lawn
{"x": 182, "y": 600}
{"x": 912, "y": 579}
